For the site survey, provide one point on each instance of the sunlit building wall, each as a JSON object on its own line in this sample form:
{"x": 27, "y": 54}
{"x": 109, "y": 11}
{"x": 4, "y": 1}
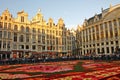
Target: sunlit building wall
{"x": 100, "y": 33}
{"x": 20, "y": 37}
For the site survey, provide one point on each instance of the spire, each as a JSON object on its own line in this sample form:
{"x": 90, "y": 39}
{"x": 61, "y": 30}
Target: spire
{"x": 39, "y": 10}
{"x": 7, "y": 9}
{"x": 101, "y": 9}
{"x": 110, "y": 5}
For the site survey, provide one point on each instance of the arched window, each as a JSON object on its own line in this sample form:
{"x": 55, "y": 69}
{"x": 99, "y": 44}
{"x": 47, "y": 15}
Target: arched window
{"x": 34, "y": 30}
{"x": 22, "y": 19}
{"x": 15, "y": 37}
{"x": 21, "y": 38}
{"x": 9, "y": 26}
{"x": 43, "y": 31}
{"x": 22, "y": 29}
{"x": 15, "y": 27}
{"x": 27, "y": 29}
{"x": 5, "y": 17}
{"x": 5, "y": 25}
{"x": 1, "y": 24}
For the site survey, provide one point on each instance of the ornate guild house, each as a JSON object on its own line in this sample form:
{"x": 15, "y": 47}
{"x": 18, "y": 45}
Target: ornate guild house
{"x": 20, "y": 37}
{"x": 100, "y": 33}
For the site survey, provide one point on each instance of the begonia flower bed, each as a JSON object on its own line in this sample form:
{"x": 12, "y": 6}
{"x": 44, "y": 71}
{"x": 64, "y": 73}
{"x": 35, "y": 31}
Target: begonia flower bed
{"x": 64, "y": 70}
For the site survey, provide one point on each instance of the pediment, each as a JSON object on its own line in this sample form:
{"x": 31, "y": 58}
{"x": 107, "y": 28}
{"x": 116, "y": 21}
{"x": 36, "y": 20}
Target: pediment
{"x": 112, "y": 14}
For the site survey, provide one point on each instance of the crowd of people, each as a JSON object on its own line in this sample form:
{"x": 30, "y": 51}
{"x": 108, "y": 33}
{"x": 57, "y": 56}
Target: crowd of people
{"x": 33, "y": 59}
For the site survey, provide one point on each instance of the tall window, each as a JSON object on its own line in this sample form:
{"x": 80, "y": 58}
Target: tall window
{"x": 38, "y": 30}
{"x": 15, "y": 27}
{"x": 119, "y": 21}
{"x": 0, "y": 34}
{"x": 33, "y": 38}
{"x": 97, "y": 28}
{"x": 22, "y": 28}
{"x": 9, "y": 26}
{"x": 43, "y": 39}
{"x": 93, "y": 29}
{"x": 21, "y": 46}
{"x": 56, "y": 33}
{"x": 0, "y": 44}
{"x": 101, "y": 27}
{"x": 111, "y": 30}
{"x": 8, "y": 45}
{"x": 39, "y": 38}
{"x": 105, "y": 24}
{"x": 43, "y": 31}
{"x": 27, "y": 37}
{"x": 86, "y": 38}
{"x": 27, "y": 46}
{"x": 5, "y": 25}
{"x": 102, "y": 32}
{"x": 116, "y": 34}
{"x": 106, "y": 34}
{"x": 5, "y": 17}
{"x": 34, "y": 30}
{"x": 15, "y": 37}
{"x": 4, "y": 44}
{"x": 9, "y": 35}
{"x": 103, "y": 50}
{"x": 1, "y": 24}
{"x": 97, "y": 36}
{"x": 21, "y": 38}
{"x": 89, "y": 30}
{"x": 60, "y": 33}
{"x": 14, "y": 46}
{"x": 33, "y": 47}
{"x": 110, "y": 25}
{"x": 93, "y": 36}
{"x": 50, "y": 24}
{"x": 5, "y": 34}
{"x": 48, "y": 42}
{"x": 107, "y": 48}
{"x": 43, "y": 47}
{"x": 27, "y": 29}
{"x": 22, "y": 19}
{"x": 115, "y": 28}
{"x": 97, "y": 32}
{"x": 57, "y": 40}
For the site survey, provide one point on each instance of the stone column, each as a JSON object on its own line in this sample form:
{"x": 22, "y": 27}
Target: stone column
{"x": 11, "y": 55}
{"x": 118, "y": 29}
{"x": 105, "y": 51}
{"x": 17, "y": 54}
{"x": 6, "y": 56}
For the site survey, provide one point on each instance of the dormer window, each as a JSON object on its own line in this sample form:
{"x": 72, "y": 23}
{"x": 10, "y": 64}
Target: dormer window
{"x": 5, "y": 17}
{"x": 22, "y": 19}
{"x": 95, "y": 19}
{"x": 50, "y": 24}
{"x": 1, "y": 24}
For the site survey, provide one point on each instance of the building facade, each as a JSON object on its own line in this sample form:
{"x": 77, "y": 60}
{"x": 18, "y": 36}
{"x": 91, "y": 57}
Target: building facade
{"x": 20, "y": 37}
{"x": 100, "y": 33}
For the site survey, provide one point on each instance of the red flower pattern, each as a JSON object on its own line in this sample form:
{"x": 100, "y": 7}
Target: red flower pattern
{"x": 101, "y": 70}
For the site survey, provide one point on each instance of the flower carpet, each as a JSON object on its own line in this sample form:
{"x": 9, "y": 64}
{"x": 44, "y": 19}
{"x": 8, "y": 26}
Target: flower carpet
{"x": 65, "y": 70}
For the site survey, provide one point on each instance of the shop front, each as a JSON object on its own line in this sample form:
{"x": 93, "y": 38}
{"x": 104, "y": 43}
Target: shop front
{"x": 5, "y": 55}
{"x": 20, "y": 54}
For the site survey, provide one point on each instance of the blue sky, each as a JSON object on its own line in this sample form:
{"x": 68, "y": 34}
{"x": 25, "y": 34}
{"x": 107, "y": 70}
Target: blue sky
{"x": 73, "y": 12}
